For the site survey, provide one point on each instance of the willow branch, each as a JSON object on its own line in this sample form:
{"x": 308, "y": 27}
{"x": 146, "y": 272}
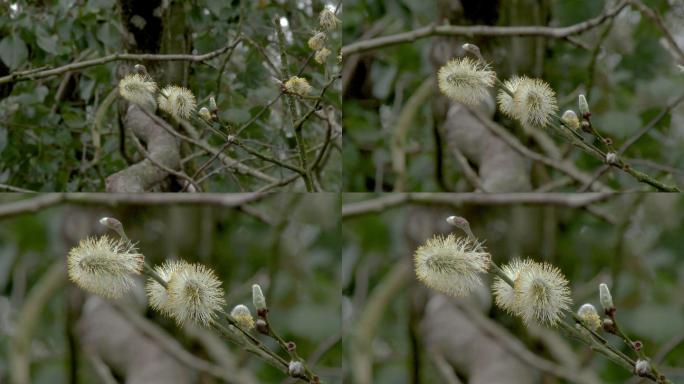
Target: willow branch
{"x": 480, "y": 30}
{"x": 32, "y": 74}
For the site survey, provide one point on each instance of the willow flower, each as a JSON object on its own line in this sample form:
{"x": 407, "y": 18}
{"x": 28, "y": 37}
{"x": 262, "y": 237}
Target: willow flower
{"x": 195, "y": 295}
{"x": 204, "y": 114}
{"x": 542, "y": 294}
{"x": 177, "y": 101}
{"x": 535, "y": 102}
{"x": 606, "y": 299}
{"x": 322, "y": 55}
{"x": 506, "y": 103}
{"x": 138, "y": 89}
{"x": 104, "y": 266}
{"x": 157, "y": 293}
{"x": 317, "y": 41}
{"x": 465, "y": 80}
{"x": 570, "y": 119}
{"x": 298, "y": 85}
{"x": 243, "y": 317}
{"x": 590, "y": 318}
{"x": 451, "y": 265}
{"x": 504, "y": 294}
{"x": 583, "y": 106}
{"x": 328, "y": 20}
{"x": 258, "y": 298}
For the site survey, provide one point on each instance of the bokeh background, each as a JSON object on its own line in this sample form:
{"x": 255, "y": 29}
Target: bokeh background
{"x": 402, "y": 332}
{"x": 287, "y": 243}
{"x": 398, "y": 136}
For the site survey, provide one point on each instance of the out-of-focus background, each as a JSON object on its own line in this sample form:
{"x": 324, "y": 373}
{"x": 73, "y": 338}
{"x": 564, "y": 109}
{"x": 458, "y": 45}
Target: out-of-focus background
{"x": 398, "y": 135}
{"x": 402, "y": 332}
{"x": 57, "y": 333}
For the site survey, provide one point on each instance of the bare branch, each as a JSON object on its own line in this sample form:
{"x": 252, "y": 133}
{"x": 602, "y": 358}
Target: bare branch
{"x": 392, "y": 200}
{"x": 480, "y": 30}
{"x": 35, "y": 204}
{"x": 32, "y": 74}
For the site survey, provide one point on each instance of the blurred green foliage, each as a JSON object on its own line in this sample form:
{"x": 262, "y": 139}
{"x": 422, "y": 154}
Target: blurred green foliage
{"x": 296, "y": 262}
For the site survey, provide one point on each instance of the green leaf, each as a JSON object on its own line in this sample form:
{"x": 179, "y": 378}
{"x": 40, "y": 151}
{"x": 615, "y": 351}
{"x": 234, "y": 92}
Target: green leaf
{"x": 13, "y": 51}
{"x": 108, "y": 35}
{"x": 46, "y": 42}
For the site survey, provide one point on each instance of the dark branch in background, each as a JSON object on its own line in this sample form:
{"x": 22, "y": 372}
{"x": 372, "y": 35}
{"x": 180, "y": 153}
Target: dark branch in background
{"x": 480, "y": 30}
{"x": 33, "y": 74}
{"x": 382, "y": 203}
{"x": 43, "y": 201}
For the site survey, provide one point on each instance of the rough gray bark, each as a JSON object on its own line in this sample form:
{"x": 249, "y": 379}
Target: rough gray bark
{"x": 128, "y": 352}
{"x": 465, "y": 346}
{"x": 161, "y": 146}
{"x": 500, "y": 168}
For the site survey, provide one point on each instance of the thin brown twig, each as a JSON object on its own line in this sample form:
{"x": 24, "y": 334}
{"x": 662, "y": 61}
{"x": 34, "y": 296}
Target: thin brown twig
{"x": 33, "y": 74}
{"x": 43, "y": 201}
{"x": 633, "y": 139}
{"x": 480, "y": 30}
{"x": 384, "y": 202}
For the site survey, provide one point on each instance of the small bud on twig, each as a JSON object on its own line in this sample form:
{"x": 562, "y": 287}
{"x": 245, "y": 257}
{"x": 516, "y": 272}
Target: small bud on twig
{"x": 584, "y": 107}
{"x": 611, "y": 158}
{"x": 204, "y": 114}
{"x": 642, "y": 368}
{"x": 258, "y": 298}
{"x": 606, "y": 299}
{"x": 261, "y": 326}
{"x": 296, "y": 369}
{"x": 609, "y": 325}
{"x": 570, "y": 119}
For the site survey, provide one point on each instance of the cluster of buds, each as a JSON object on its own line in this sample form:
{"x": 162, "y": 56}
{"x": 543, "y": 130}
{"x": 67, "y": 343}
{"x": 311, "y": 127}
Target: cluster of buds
{"x": 211, "y": 113}
{"x": 328, "y": 23}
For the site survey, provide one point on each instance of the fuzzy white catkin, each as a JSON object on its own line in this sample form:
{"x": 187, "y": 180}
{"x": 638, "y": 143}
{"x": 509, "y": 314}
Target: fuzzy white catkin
{"x": 317, "y": 41}
{"x": 465, "y": 80}
{"x": 138, "y": 89}
{"x": 204, "y": 114}
{"x": 542, "y": 294}
{"x": 322, "y": 55}
{"x": 535, "y": 102}
{"x": 242, "y": 316}
{"x": 570, "y": 119}
{"x": 157, "y": 294}
{"x": 506, "y": 103}
{"x": 504, "y": 294}
{"x": 451, "y": 265}
{"x": 104, "y": 266}
{"x": 587, "y": 313}
{"x": 195, "y": 295}
{"x": 328, "y": 20}
{"x": 177, "y": 101}
{"x": 298, "y": 85}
